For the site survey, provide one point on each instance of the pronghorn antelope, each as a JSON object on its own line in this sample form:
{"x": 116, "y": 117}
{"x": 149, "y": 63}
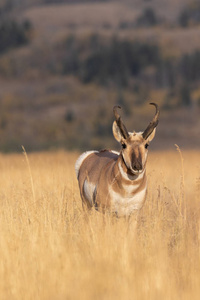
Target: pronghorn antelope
{"x": 114, "y": 181}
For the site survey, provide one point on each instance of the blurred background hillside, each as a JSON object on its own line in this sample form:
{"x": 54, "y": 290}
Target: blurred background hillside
{"x": 64, "y": 64}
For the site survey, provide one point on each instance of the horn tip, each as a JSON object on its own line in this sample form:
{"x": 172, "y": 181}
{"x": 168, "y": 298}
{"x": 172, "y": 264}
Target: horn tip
{"x": 156, "y": 106}
{"x": 117, "y": 106}
{"x": 152, "y": 103}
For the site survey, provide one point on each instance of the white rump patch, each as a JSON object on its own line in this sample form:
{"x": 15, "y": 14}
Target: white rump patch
{"x": 88, "y": 189}
{"x": 80, "y": 160}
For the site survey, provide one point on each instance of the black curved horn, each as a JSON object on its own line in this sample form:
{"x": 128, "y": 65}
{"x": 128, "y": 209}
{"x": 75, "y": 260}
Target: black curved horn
{"x": 153, "y": 123}
{"x": 119, "y": 122}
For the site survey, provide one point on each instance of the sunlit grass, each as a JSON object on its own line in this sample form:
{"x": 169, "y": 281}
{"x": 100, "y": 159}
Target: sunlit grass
{"x": 50, "y": 250}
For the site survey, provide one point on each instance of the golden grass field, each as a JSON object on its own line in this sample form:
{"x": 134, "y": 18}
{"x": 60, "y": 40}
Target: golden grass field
{"x": 50, "y": 250}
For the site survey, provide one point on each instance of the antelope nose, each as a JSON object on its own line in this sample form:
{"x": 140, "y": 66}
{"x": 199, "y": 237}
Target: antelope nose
{"x": 137, "y": 166}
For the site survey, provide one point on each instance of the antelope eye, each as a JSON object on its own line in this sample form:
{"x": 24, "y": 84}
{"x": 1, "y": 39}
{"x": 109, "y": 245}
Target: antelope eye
{"x": 124, "y": 146}
{"x": 146, "y": 146}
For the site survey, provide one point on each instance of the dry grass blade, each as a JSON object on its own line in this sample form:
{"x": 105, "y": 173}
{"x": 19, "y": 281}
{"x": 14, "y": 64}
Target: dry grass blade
{"x": 30, "y": 173}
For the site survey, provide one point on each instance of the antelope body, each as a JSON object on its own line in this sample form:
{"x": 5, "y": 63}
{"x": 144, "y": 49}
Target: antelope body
{"x": 114, "y": 181}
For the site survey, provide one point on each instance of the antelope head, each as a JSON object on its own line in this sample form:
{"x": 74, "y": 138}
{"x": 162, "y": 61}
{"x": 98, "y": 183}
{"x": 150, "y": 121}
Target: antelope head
{"x": 134, "y": 144}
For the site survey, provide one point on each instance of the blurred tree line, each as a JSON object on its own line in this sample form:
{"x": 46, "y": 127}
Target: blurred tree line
{"x": 103, "y": 61}
{"x": 126, "y": 63}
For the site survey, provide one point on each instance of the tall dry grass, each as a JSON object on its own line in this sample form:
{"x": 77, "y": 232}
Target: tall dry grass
{"x": 50, "y": 250}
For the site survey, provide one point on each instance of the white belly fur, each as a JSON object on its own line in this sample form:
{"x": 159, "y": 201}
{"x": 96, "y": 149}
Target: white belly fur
{"x": 88, "y": 189}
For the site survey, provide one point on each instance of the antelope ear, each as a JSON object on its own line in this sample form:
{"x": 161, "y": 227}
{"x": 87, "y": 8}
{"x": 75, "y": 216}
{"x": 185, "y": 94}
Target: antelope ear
{"x": 152, "y": 135}
{"x": 116, "y": 132}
